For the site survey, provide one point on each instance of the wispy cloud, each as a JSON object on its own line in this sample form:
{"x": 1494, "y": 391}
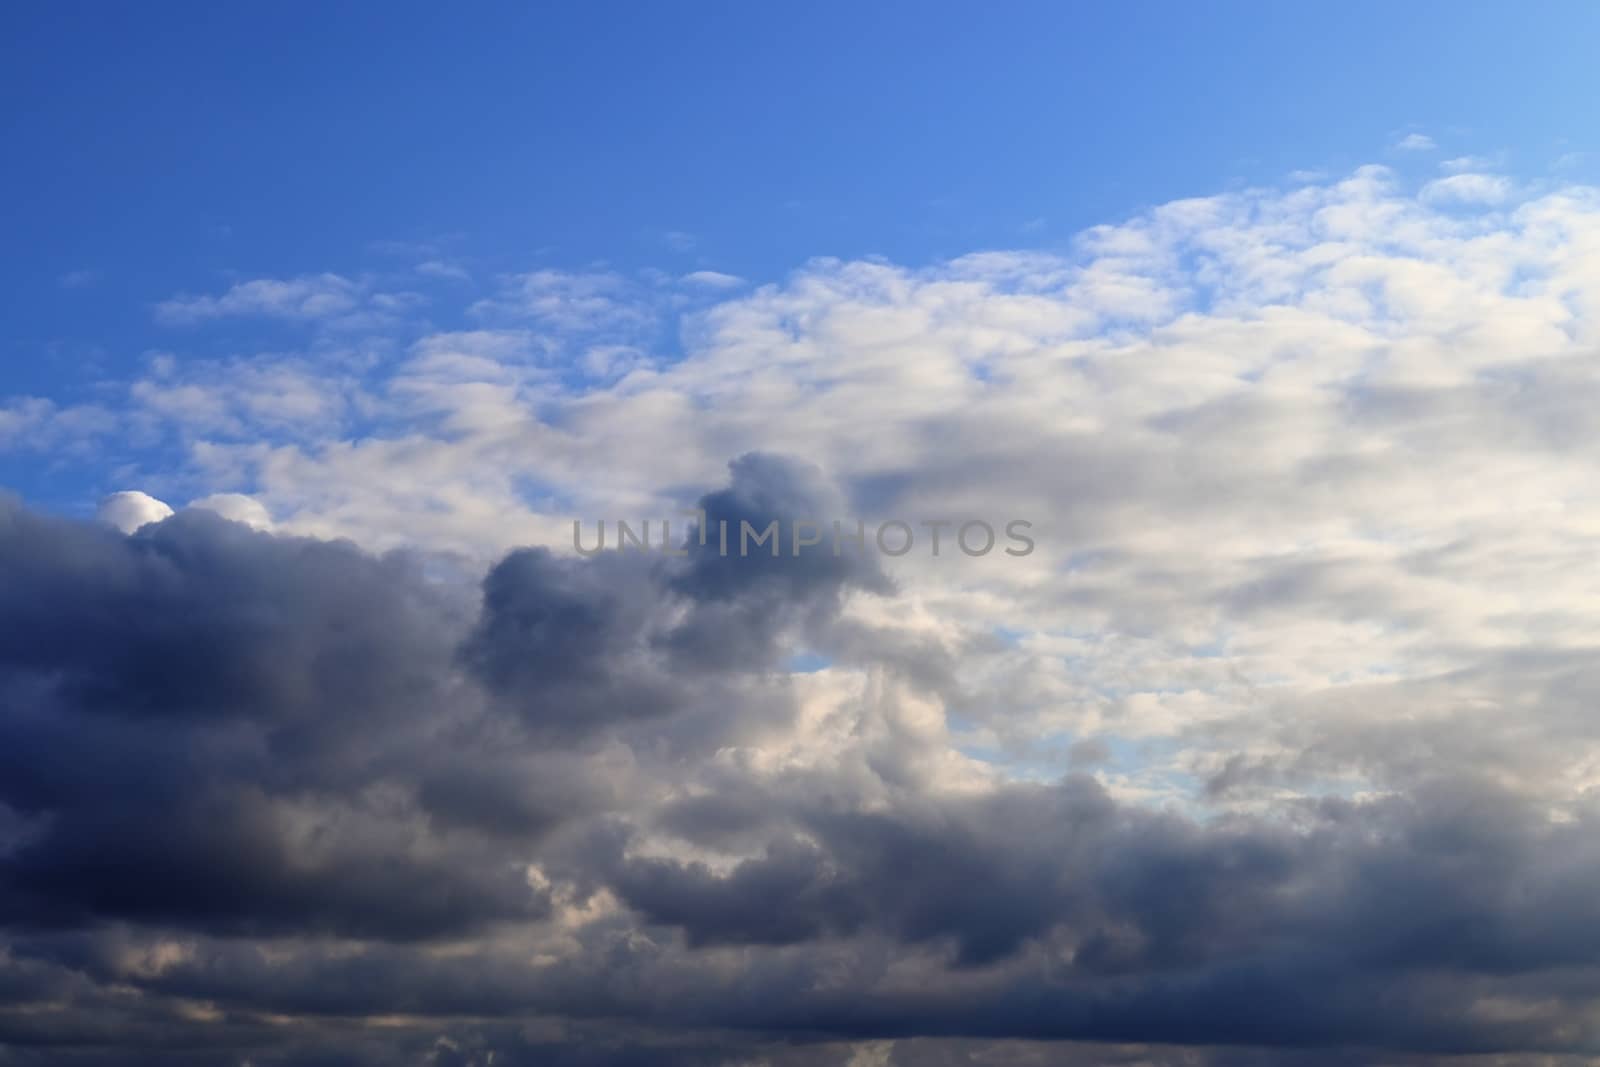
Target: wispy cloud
{"x": 325, "y": 301}
{"x": 574, "y": 302}
{"x": 79, "y": 279}
{"x": 1468, "y": 189}
{"x": 312, "y": 296}
{"x": 439, "y": 268}
{"x": 711, "y": 279}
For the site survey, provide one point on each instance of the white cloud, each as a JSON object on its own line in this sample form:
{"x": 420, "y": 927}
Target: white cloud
{"x": 312, "y": 296}
{"x": 438, "y": 268}
{"x": 261, "y": 397}
{"x": 711, "y": 279}
{"x": 1461, "y": 164}
{"x": 23, "y": 416}
{"x": 236, "y": 507}
{"x": 131, "y": 509}
{"x": 1415, "y": 142}
{"x": 33, "y": 423}
{"x": 565, "y": 301}
{"x": 1468, "y": 189}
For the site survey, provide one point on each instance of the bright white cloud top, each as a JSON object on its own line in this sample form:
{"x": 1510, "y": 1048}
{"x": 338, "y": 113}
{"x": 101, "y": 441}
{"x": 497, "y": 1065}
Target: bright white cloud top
{"x": 131, "y": 509}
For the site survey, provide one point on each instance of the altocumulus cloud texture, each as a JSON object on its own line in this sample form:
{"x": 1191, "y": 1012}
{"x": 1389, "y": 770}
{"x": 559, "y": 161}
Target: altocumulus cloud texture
{"x": 1280, "y": 749}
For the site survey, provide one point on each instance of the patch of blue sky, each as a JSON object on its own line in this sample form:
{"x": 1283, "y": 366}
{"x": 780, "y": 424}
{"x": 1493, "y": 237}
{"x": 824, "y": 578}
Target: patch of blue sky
{"x": 808, "y": 662}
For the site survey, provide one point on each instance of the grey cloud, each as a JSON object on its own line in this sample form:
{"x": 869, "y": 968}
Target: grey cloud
{"x": 204, "y": 726}
{"x": 742, "y": 599}
{"x": 259, "y": 791}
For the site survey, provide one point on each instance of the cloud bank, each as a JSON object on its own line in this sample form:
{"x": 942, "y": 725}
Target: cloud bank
{"x": 1278, "y": 749}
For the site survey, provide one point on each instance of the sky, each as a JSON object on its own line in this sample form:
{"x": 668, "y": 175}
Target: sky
{"x": 1262, "y": 338}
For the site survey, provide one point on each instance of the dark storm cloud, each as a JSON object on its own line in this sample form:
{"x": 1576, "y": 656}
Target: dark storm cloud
{"x": 583, "y": 642}
{"x": 576, "y": 650}
{"x": 200, "y": 721}
{"x": 743, "y": 598}
{"x": 1454, "y": 922}
{"x": 216, "y": 727}
{"x": 560, "y": 643}
{"x": 257, "y": 790}
{"x": 1460, "y": 874}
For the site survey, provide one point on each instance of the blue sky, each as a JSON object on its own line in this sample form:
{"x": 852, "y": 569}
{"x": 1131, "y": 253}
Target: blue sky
{"x": 153, "y": 149}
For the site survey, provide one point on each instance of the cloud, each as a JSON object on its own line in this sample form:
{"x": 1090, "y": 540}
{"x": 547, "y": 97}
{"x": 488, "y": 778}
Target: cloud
{"x": 678, "y": 240}
{"x": 326, "y": 300}
{"x": 317, "y": 296}
{"x": 1462, "y": 164}
{"x": 1468, "y": 189}
{"x": 236, "y": 507}
{"x": 249, "y": 775}
{"x": 1415, "y": 142}
{"x": 438, "y": 268}
{"x": 246, "y": 397}
{"x": 23, "y": 417}
{"x": 565, "y": 301}
{"x": 1280, "y": 743}
{"x": 37, "y": 424}
{"x": 79, "y": 279}
{"x": 207, "y": 713}
{"x": 711, "y": 279}
{"x": 131, "y": 509}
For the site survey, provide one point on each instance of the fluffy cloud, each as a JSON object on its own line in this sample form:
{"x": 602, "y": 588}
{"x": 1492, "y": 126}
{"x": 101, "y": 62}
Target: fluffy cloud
{"x": 1280, "y": 740}
{"x": 236, "y": 507}
{"x": 131, "y": 509}
{"x": 1468, "y": 188}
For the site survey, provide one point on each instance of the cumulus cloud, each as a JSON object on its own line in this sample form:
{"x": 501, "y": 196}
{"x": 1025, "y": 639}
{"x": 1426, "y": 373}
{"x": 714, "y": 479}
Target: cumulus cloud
{"x": 1279, "y": 742}
{"x": 236, "y": 507}
{"x": 131, "y": 509}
